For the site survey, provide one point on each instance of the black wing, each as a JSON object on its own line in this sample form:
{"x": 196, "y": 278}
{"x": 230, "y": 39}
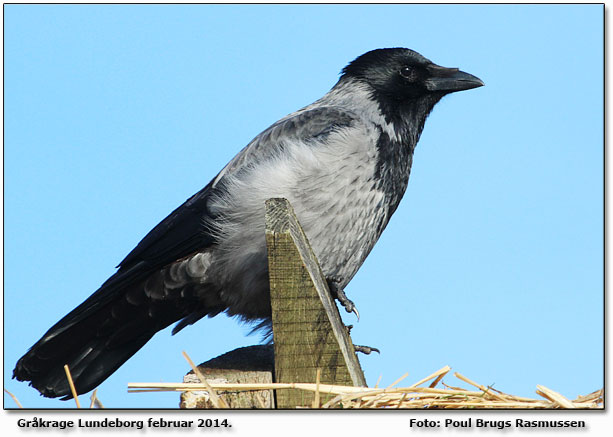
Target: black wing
{"x": 180, "y": 234}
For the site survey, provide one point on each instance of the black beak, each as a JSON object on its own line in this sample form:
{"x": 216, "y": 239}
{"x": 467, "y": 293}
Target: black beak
{"x": 449, "y": 80}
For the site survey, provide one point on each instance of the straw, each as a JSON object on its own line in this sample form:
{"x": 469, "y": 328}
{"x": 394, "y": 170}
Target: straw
{"x": 413, "y": 396}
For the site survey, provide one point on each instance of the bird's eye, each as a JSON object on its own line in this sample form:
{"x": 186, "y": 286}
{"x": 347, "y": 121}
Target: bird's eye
{"x": 407, "y": 72}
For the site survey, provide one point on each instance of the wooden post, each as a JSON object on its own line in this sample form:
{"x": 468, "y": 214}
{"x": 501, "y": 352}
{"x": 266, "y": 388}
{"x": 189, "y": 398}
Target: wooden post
{"x": 307, "y": 329}
{"x": 251, "y": 364}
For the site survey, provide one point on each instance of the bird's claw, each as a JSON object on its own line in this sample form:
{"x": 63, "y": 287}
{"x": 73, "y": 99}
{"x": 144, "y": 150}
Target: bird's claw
{"x": 353, "y": 310}
{"x": 367, "y": 350}
{"x": 348, "y": 304}
{"x": 343, "y": 299}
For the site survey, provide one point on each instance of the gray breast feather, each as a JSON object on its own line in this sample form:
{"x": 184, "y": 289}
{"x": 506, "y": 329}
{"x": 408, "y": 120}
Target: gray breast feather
{"x": 323, "y": 161}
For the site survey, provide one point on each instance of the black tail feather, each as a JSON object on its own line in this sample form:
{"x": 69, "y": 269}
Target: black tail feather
{"x": 95, "y": 339}
{"x": 91, "y": 357}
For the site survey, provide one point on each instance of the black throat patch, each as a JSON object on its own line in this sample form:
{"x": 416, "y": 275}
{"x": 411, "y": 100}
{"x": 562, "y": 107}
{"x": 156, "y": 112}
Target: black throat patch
{"x": 395, "y": 155}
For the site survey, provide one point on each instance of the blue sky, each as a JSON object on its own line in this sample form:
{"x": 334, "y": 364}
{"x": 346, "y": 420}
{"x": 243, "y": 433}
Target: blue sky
{"x": 493, "y": 263}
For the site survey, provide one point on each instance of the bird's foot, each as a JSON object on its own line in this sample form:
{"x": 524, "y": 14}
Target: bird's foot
{"x": 339, "y": 294}
{"x": 367, "y": 350}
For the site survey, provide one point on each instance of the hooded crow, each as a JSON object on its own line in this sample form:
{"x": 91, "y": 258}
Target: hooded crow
{"x": 343, "y": 162}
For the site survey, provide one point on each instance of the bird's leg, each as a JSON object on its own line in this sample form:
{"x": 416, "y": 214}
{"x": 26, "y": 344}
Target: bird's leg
{"x": 367, "y": 350}
{"x": 339, "y": 294}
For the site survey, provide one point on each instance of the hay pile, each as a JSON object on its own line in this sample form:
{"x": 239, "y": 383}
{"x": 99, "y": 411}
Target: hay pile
{"x": 415, "y": 396}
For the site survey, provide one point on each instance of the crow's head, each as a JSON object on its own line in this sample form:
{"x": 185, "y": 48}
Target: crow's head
{"x": 405, "y": 85}
{"x": 401, "y": 74}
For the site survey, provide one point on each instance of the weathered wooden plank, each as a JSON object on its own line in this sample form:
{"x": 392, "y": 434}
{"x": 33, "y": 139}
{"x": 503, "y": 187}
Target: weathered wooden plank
{"x": 307, "y": 329}
{"x": 251, "y": 365}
